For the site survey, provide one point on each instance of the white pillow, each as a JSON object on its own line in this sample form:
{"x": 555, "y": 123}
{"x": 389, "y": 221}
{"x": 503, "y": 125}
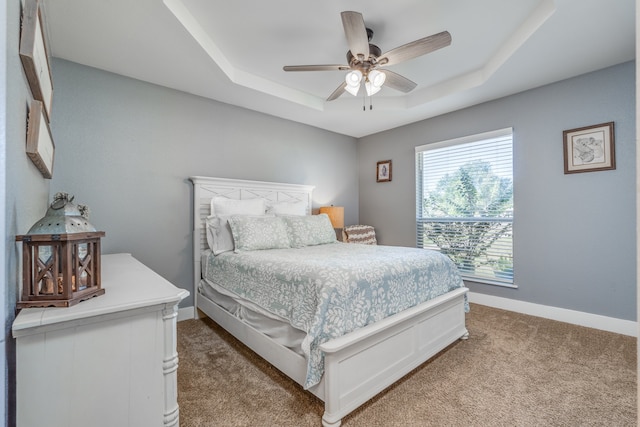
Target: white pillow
{"x": 287, "y": 208}
{"x": 219, "y": 237}
{"x": 223, "y": 206}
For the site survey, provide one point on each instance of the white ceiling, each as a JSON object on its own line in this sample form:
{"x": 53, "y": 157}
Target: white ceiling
{"x": 234, "y": 51}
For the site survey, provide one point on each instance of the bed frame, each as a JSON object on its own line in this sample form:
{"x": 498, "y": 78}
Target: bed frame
{"x": 358, "y": 365}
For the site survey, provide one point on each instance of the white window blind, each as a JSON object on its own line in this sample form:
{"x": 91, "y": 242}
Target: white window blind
{"x": 464, "y": 203}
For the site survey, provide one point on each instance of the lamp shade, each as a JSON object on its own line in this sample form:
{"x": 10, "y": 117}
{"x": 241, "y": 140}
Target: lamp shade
{"x": 336, "y": 215}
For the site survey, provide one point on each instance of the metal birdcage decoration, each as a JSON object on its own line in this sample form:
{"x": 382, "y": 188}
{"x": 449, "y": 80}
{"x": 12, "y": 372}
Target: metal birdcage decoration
{"x": 61, "y": 257}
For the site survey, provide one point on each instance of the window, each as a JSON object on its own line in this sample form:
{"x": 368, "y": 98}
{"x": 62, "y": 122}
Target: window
{"x": 464, "y": 203}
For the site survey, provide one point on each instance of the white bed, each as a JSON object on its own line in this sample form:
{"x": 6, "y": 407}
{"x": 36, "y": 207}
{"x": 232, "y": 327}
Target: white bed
{"x": 358, "y": 365}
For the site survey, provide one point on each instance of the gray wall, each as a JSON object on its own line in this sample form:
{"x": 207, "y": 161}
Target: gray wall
{"x": 126, "y": 149}
{"x": 574, "y": 235}
{"x": 23, "y": 190}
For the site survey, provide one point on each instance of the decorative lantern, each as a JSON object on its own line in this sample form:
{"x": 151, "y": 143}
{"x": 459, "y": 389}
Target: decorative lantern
{"x": 60, "y": 257}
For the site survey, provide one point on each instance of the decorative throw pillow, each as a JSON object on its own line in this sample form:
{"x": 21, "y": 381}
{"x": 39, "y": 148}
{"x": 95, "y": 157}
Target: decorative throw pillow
{"x": 257, "y": 233}
{"x": 310, "y": 230}
{"x": 363, "y": 234}
{"x": 219, "y": 235}
{"x": 224, "y": 206}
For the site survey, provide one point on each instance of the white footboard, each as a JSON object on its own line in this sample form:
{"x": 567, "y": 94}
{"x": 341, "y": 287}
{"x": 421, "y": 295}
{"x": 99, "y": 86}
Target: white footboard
{"x": 363, "y": 363}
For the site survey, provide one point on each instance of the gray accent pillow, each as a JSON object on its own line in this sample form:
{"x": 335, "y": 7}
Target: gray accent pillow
{"x": 257, "y": 233}
{"x": 310, "y": 230}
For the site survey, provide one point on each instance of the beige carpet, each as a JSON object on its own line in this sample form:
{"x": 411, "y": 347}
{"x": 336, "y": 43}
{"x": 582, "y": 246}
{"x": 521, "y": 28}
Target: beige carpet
{"x": 514, "y": 370}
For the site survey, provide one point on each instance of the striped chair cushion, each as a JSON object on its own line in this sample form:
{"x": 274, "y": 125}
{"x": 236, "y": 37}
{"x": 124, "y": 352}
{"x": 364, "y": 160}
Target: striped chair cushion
{"x": 363, "y": 234}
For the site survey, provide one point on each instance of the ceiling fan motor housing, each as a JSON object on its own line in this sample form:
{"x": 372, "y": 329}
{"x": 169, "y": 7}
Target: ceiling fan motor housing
{"x": 374, "y": 53}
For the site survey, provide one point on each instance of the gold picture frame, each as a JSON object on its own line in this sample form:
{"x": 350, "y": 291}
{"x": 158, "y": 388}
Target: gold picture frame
{"x": 40, "y": 146}
{"x": 383, "y": 171}
{"x": 589, "y": 148}
{"x": 34, "y": 55}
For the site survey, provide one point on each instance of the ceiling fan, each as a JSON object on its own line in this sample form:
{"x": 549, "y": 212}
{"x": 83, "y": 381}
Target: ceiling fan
{"x": 365, "y": 59}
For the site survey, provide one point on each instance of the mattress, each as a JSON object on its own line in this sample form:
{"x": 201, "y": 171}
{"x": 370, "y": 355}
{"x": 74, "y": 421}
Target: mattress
{"x": 275, "y": 327}
{"x": 329, "y": 290}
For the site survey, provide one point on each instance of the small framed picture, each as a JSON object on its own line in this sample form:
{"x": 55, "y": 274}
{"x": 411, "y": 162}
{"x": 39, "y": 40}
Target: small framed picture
{"x": 35, "y": 55}
{"x": 40, "y": 146}
{"x": 590, "y": 148}
{"x": 383, "y": 171}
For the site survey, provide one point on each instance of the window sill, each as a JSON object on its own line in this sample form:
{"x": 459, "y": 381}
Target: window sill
{"x": 489, "y": 282}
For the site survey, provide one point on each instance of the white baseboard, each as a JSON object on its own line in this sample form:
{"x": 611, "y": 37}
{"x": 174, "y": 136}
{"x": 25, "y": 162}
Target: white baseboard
{"x": 596, "y": 321}
{"x": 610, "y": 324}
{"x": 185, "y": 313}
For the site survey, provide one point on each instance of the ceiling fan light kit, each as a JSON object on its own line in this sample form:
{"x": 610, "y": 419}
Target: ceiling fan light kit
{"x": 365, "y": 59}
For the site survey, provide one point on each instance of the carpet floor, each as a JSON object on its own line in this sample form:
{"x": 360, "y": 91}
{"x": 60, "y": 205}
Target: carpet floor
{"x": 514, "y": 370}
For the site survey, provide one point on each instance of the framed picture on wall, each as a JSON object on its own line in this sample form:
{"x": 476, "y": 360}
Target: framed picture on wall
{"x": 35, "y": 55}
{"x": 383, "y": 171}
{"x": 590, "y": 148}
{"x": 40, "y": 146}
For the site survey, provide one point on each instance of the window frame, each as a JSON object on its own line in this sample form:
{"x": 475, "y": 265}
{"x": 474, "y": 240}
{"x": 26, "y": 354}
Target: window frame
{"x": 500, "y": 133}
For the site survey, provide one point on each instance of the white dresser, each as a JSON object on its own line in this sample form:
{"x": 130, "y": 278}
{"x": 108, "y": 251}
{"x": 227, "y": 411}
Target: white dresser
{"x": 108, "y": 361}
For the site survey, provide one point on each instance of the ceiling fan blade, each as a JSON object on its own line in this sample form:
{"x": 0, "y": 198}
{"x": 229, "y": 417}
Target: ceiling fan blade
{"x": 415, "y": 48}
{"x": 398, "y": 82}
{"x": 336, "y": 93}
{"x": 328, "y": 67}
{"x": 356, "y": 33}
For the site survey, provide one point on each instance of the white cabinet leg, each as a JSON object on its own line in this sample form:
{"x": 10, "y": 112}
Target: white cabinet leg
{"x": 170, "y": 367}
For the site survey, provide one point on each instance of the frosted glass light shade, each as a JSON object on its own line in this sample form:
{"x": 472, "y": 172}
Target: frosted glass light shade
{"x": 353, "y": 79}
{"x": 377, "y": 78}
{"x": 353, "y": 90}
{"x": 374, "y": 82}
{"x": 371, "y": 89}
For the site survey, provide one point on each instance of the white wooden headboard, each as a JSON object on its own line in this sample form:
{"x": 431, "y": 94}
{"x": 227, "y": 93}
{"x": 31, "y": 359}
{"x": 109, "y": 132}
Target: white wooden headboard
{"x": 205, "y": 188}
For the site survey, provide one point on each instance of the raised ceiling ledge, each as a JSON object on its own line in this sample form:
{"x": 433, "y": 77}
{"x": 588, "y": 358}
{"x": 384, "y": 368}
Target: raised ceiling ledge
{"x": 534, "y": 21}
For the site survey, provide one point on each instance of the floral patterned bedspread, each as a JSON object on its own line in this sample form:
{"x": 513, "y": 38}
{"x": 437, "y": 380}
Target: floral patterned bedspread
{"x": 330, "y": 290}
